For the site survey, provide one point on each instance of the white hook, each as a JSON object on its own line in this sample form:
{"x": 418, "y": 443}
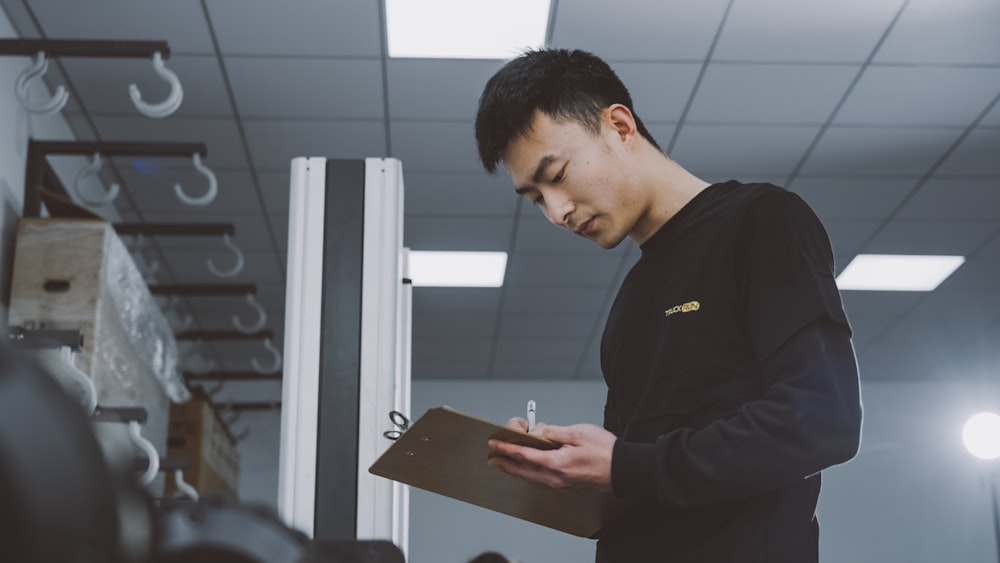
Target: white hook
{"x": 167, "y": 106}
{"x": 184, "y": 487}
{"x": 237, "y": 268}
{"x": 242, "y": 435}
{"x": 146, "y": 446}
{"x": 213, "y": 186}
{"x": 91, "y": 170}
{"x": 261, "y": 317}
{"x": 276, "y": 360}
{"x": 37, "y": 69}
{"x": 82, "y": 378}
{"x": 197, "y": 363}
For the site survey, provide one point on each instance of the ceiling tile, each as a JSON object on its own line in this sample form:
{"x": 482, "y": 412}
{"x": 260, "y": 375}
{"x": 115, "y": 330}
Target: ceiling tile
{"x": 180, "y": 22}
{"x": 958, "y": 31}
{"x": 659, "y": 91}
{"x": 867, "y": 329}
{"x": 274, "y": 143}
{"x": 979, "y": 274}
{"x": 978, "y": 154}
{"x": 992, "y": 119}
{"x": 275, "y": 188}
{"x": 445, "y": 349}
{"x": 536, "y": 326}
{"x": 152, "y": 189}
{"x": 220, "y": 136}
{"x": 461, "y": 194}
{"x": 416, "y": 92}
{"x": 434, "y": 300}
{"x": 838, "y": 198}
{"x": 435, "y": 146}
{"x": 771, "y": 94}
{"x": 306, "y": 88}
{"x": 915, "y": 96}
{"x": 563, "y": 270}
{"x": 556, "y": 300}
{"x": 888, "y": 305}
{"x": 463, "y": 325}
{"x": 848, "y": 237}
{"x": 477, "y": 368}
{"x": 790, "y": 30}
{"x": 103, "y": 85}
{"x": 955, "y": 199}
{"x": 742, "y": 150}
{"x": 534, "y": 369}
{"x": 874, "y": 151}
{"x": 346, "y": 28}
{"x": 926, "y": 237}
{"x": 991, "y": 250}
{"x": 668, "y": 30}
{"x": 424, "y": 233}
{"x": 539, "y": 349}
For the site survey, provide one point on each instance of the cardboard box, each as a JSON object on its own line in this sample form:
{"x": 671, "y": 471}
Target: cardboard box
{"x": 199, "y": 434}
{"x": 77, "y": 275}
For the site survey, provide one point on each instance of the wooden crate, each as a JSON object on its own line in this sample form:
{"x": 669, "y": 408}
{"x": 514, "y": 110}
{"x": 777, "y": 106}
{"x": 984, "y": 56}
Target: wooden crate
{"x": 199, "y": 434}
{"x": 77, "y": 275}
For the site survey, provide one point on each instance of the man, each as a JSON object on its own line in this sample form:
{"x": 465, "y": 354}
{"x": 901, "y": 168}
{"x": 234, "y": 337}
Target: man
{"x": 727, "y": 355}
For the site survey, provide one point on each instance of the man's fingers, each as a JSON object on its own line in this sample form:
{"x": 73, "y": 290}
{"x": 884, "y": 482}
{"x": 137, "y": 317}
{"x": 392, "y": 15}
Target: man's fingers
{"x": 518, "y": 423}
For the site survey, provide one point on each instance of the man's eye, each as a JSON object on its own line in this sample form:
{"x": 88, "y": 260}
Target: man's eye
{"x": 558, "y": 178}
{"x": 537, "y": 201}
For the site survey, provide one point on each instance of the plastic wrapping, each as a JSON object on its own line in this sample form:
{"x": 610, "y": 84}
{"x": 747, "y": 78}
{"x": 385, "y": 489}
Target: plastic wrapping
{"x": 78, "y": 275}
{"x": 144, "y": 324}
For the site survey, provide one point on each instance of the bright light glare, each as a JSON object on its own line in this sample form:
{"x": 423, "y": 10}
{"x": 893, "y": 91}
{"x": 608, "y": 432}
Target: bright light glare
{"x": 891, "y": 272}
{"x": 465, "y": 29}
{"x": 457, "y": 269}
{"x": 981, "y": 435}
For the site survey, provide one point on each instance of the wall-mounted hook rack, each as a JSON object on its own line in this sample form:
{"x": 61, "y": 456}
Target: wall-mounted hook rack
{"x": 44, "y": 339}
{"x": 192, "y": 377}
{"x": 218, "y": 289}
{"x": 175, "y": 229}
{"x": 223, "y": 335}
{"x": 38, "y": 179}
{"x": 85, "y": 48}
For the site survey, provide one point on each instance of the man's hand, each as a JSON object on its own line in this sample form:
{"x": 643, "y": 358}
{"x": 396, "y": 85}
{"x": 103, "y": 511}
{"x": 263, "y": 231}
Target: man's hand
{"x": 583, "y": 461}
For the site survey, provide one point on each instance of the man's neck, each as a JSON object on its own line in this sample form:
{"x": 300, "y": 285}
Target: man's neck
{"x": 669, "y": 187}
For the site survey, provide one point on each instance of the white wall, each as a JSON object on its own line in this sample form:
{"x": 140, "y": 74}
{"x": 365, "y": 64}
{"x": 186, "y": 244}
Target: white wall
{"x": 913, "y": 495}
{"x": 15, "y": 128}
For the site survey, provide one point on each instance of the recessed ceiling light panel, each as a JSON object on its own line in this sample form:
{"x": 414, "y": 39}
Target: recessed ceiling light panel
{"x": 457, "y": 269}
{"x": 464, "y": 29}
{"x": 894, "y": 272}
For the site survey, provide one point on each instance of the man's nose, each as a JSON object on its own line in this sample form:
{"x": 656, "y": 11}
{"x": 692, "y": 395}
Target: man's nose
{"x": 559, "y": 209}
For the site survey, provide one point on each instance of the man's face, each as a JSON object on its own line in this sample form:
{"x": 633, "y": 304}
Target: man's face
{"x": 579, "y": 180}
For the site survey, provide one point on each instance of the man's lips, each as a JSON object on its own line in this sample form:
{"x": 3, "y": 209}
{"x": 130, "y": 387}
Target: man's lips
{"x": 584, "y": 227}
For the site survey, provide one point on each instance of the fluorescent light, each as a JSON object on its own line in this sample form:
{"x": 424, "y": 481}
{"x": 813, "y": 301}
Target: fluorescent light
{"x": 465, "y": 29}
{"x": 981, "y": 435}
{"x": 457, "y": 269}
{"x": 893, "y": 272}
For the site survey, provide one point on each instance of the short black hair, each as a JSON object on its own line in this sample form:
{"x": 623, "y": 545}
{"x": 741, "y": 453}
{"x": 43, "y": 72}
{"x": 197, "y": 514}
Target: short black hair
{"x": 561, "y": 83}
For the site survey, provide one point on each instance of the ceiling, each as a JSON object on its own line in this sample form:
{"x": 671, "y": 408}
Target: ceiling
{"x": 882, "y": 114}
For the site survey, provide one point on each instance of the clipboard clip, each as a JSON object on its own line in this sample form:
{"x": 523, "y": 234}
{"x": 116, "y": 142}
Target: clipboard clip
{"x": 401, "y": 423}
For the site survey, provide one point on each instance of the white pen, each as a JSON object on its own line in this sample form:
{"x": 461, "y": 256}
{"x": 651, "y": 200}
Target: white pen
{"x": 531, "y": 415}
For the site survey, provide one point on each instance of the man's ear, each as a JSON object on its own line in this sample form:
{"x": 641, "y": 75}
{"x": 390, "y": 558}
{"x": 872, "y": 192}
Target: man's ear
{"x": 620, "y": 119}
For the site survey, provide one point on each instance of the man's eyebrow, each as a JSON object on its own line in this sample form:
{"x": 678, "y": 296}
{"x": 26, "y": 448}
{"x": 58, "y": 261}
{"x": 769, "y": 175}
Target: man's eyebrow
{"x": 537, "y": 176}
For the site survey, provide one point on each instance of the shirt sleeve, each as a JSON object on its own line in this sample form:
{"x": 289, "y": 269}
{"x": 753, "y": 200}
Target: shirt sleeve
{"x": 808, "y": 420}
{"x": 809, "y": 416}
{"x": 786, "y": 271}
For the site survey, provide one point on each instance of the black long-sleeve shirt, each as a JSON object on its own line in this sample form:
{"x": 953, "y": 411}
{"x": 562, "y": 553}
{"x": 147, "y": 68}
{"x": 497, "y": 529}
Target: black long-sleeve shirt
{"x": 731, "y": 383}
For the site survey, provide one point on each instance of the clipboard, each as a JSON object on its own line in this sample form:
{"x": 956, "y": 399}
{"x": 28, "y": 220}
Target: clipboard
{"x": 445, "y": 452}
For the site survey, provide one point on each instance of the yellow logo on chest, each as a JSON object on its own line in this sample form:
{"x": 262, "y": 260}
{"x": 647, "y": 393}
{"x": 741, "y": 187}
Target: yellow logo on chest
{"x": 688, "y": 307}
